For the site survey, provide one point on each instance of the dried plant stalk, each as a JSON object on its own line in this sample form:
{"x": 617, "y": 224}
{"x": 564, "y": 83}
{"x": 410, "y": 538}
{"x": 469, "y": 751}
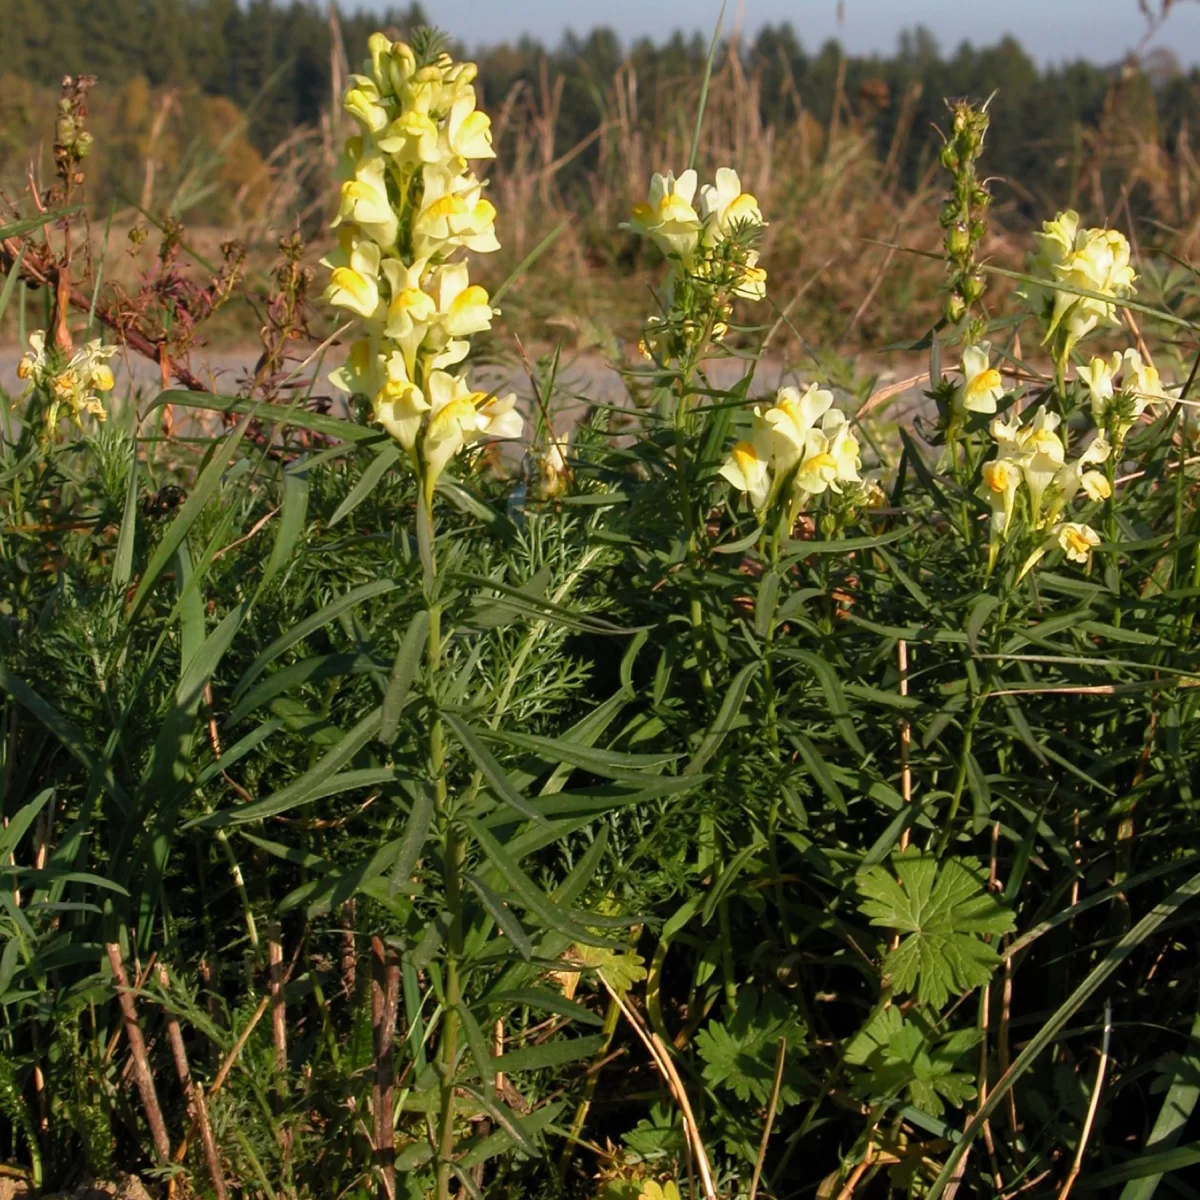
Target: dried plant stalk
{"x": 194, "y": 1095}
{"x": 141, "y": 1063}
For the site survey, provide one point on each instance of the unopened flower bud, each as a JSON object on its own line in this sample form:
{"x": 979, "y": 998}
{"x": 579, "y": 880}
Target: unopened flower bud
{"x": 958, "y": 239}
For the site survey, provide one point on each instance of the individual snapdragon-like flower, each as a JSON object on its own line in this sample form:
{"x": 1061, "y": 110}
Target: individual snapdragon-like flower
{"x": 667, "y": 216}
{"x": 453, "y": 213}
{"x": 982, "y": 386}
{"x": 748, "y": 469}
{"x": 1001, "y": 478}
{"x": 790, "y": 420}
{"x": 1077, "y": 540}
{"x": 365, "y": 201}
{"x": 552, "y": 468}
{"x": 354, "y": 280}
{"x": 33, "y": 362}
{"x": 724, "y": 206}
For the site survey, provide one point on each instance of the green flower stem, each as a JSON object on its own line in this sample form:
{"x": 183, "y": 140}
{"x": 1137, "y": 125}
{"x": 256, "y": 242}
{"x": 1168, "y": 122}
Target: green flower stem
{"x": 960, "y": 779}
{"x": 453, "y": 855}
{"x": 612, "y": 1017}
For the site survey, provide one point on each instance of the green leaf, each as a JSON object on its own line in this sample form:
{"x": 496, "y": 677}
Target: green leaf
{"x": 741, "y": 1055}
{"x": 416, "y": 832}
{"x": 205, "y": 488}
{"x": 608, "y": 764}
{"x": 528, "y": 894}
{"x": 404, "y": 671}
{"x": 505, "y": 918}
{"x": 310, "y": 625}
{"x": 482, "y": 1055}
{"x": 272, "y": 414}
{"x": 541, "y": 1000}
{"x": 730, "y": 707}
{"x": 943, "y": 908}
{"x": 551, "y": 1054}
{"x": 835, "y": 698}
{"x": 492, "y": 771}
{"x": 320, "y": 780}
{"x": 122, "y": 571}
{"x": 293, "y": 511}
{"x": 385, "y": 458}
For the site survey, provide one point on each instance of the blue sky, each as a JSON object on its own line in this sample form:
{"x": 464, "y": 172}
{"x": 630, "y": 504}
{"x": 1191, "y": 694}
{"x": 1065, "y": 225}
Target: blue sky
{"x": 1102, "y": 30}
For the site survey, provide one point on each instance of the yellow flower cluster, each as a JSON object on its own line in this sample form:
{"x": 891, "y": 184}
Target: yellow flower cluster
{"x": 1114, "y": 408}
{"x": 1034, "y": 456}
{"x": 74, "y": 385}
{"x": 409, "y": 202}
{"x": 802, "y": 440}
{"x": 1093, "y": 260}
{"x": 689, "y": 230}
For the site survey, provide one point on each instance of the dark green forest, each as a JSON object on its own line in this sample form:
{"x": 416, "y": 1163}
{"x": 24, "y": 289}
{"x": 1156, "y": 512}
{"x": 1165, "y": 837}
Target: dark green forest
{"x": 274, "y": 60}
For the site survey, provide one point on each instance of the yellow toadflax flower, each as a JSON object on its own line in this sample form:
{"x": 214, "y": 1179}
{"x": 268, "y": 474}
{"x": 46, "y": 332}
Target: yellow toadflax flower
{"x": 724, "y": 206}
{"x": 747, "y": 469}
{"x": 982, "y": 386}
{"x": 667, "y": 216}
{"x": 1077, "y": 540}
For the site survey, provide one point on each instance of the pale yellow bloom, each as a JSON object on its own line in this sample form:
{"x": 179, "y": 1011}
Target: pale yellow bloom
{"x": 724, "y": 206}
{"x": 982, "y": 385}
{"x": 453, "y": 213}
{"x": 354, "y": 283}
{"x": 1100, "y": 376}
{"x": 747, "y": 469}
{"x": 843, "y": 448}
{"x": 1077, "y": 540}
{"x": 1042, "y": 457}
{"x": 364, "y": 103}
{"x": 462, "y": 307}
{"x": 667, "y": 216}
{"x": 413, "y": 137}
{"x": 365, "y": 201}
{"x": 1117, "y": 407}
{"x": 469, "y": 131}
{"x": 552, "y": 465}
{"x": 753, "y": 283}
{"x": 453, "y": 422}
{"x": 1144, "y": 377}
{"x": 498, "y": 418}
{"x": 400, "y": 404}
{"x": 1001, "y": 478}
{"x": 33, "y": 362}
{"x": 790, "y": 420}
{"x": 362, "y": 374}
{"x": 818, "y": 468}
{"x": 1075, "y": 476}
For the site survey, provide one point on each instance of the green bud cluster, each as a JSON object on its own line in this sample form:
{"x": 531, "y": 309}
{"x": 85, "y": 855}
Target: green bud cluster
{"x": 964, "y": 214}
